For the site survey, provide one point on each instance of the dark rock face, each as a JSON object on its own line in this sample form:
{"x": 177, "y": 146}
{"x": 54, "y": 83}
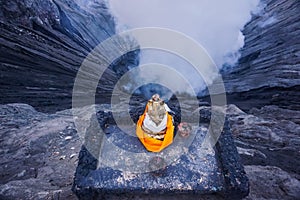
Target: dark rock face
{"x": 268, "y": 72}
{"x": 43, "y": 44}
{"x": 284, "y": 185}
{"x": 270, "y": 134}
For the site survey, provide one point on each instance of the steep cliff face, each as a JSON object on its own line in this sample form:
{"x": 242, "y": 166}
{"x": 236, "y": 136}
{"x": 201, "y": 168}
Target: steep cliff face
{"x": 269, "y": 68}
{"x": 44, "y": 42}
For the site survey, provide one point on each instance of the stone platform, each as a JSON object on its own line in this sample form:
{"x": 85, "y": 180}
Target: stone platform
{"x": 119, "y": 167}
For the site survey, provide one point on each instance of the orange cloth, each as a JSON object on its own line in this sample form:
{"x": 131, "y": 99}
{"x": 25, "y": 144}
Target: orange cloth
{"x": 152, "y": 144}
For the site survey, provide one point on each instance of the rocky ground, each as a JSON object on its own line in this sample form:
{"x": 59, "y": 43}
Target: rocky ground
{"x": 39, "y": 152}
{"x": 268, "y": 142}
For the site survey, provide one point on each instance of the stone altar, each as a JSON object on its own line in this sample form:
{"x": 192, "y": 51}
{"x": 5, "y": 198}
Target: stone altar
{"x": 124, "y": 169}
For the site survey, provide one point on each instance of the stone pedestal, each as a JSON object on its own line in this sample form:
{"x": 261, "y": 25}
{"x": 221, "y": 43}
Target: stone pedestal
{"x": 189, "y": 168}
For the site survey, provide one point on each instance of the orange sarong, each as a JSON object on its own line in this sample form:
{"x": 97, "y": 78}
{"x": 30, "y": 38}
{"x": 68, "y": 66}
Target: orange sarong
{"x": 152, "y": 144}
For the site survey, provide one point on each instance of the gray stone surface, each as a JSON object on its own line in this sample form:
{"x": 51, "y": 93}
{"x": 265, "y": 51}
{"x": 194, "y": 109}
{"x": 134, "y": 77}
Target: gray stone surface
{"x": 38, "y": 153}
{"x": 284, "y": 186}
{"x": 194, "y": 170}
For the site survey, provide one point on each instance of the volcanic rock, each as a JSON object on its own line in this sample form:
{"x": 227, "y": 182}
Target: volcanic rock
{"x": 268, "y": 72}
{"x": 43, "y": 44}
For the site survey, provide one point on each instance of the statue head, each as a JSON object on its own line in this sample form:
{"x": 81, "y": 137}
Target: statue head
{"x": 155, "y": 97}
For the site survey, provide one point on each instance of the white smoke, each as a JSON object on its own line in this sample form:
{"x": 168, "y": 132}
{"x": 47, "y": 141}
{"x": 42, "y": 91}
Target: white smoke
{"x": 214, "y": 24}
